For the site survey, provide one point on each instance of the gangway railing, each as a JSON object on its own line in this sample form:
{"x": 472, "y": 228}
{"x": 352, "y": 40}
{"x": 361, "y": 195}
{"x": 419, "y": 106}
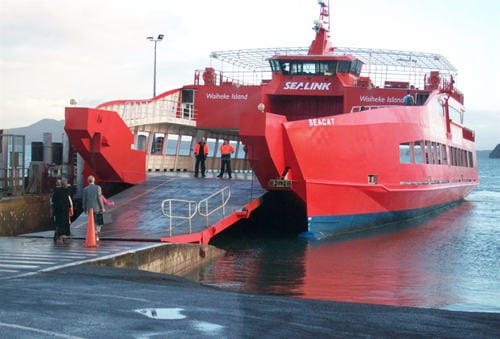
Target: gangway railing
{"x": 167, "y": 210}
{"x": 203, "y": 206}
{"x": 187, "y": 209}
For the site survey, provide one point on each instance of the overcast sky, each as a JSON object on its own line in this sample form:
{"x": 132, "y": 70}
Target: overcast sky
{"x": 96, "y": 50}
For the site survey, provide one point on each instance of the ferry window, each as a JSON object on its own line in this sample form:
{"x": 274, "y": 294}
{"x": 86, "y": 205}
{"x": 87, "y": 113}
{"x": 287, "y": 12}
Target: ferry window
{"x": 157, "y": 143}
{"x": 297, "y": 68}
{"x": 235, "y": 146}
{"x": 171, "y": 147}
{"x": 419, "y": 153}
{"x": 327, "y": 68}
{"x": 437, "y": 151}
{"x": 212, "y": 146}
{"x": 185, "y": 147}
{"x": 428, "y": 152}
{"x": 218, "y": 145}
{"x": 240, "y": 151}
{"x": 454, "y": 160}
{"x": 444, "y": 155}
{"x": 309, "y": 68}
{"x": 433, "y": 155}
{"x": 471, "y": 159}
{"x": 355, "y": 67}
{"x": 343, "y": 66}
{"x": 285, "y": 66}
{"x": 142, "y": 141}
{"x": 421, "y": 98}
{"x": 405, "y": 153}
{"x": 187, "y": 96}
{"x": 275, "y": 65}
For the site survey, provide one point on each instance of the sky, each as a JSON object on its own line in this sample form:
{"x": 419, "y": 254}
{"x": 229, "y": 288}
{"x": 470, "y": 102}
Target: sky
{"x": 96, "y": 51}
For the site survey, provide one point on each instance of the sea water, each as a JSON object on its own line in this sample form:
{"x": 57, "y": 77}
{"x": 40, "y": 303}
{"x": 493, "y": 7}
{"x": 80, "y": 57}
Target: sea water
{"x": 450, "y": 261}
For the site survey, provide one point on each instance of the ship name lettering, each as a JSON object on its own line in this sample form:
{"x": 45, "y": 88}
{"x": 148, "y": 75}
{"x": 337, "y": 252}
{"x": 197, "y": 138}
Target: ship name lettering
{"x": 321, "y": 122}
{"x": 394, "y": 100}
{"x": 307, "y": 86}
{"x": 236, "y": 96}
{"x": 371, "y": 99}
{"x": 218, "y": 96}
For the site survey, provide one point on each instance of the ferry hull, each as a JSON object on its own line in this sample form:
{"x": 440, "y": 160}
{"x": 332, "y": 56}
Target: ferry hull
{"x": 348, "y": 169}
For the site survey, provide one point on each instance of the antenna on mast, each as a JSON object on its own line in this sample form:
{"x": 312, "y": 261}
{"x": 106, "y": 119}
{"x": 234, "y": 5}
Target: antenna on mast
{"x": 321, "y": 44}
{"x": 324, "y": 17}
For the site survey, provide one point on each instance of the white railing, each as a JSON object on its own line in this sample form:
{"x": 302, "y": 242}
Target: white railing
{"x": 223, "y": 194}
{"x": 189, "y": 208}
{"x": 145, "y": 112}
{"x": 167, "y": 210}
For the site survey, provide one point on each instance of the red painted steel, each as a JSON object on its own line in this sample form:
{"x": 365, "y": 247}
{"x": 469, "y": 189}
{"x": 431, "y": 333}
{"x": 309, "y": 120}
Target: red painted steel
{"x": 104, "y": 142}
{"x": 204, "y": 236}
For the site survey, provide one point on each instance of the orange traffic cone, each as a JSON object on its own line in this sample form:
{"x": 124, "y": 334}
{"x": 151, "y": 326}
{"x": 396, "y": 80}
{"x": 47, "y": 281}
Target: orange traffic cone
{"x": 90, "y": 241}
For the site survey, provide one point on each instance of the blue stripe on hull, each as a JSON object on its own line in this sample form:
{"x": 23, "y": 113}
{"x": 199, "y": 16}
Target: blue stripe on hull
{"x": 324, "y": 226}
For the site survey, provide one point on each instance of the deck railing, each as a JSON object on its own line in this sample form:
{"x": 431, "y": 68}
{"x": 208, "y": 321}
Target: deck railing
{"x": 187, "y": 209}
{"x": 203, "y": 206}
{"x": 146, "y": 112}
{"x": 188, "y": 206}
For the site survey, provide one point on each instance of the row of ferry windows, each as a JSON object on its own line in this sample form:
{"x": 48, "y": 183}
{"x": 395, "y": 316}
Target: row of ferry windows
{"x": 185, "y": 145}
{"x": 330, "y": 67}
{"x": 427, "y": 152}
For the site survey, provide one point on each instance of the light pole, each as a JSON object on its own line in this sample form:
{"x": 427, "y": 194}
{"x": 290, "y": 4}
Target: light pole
{"x": 159, "y": 38}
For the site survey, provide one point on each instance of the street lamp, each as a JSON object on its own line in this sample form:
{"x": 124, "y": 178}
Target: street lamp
{"x": 159, "y": 38}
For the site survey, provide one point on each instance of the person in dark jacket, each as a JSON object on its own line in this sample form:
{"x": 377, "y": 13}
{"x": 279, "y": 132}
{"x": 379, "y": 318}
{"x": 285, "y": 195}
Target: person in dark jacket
{"x": 201, "y": 153}
{"x": 61, "y": 206}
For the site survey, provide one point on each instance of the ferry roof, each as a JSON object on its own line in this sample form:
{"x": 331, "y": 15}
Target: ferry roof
{"x": 257, "y": 59}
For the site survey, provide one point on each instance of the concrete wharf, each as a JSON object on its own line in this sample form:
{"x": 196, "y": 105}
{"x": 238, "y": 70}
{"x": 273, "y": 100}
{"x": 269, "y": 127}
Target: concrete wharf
{"x": 138, "y": 223}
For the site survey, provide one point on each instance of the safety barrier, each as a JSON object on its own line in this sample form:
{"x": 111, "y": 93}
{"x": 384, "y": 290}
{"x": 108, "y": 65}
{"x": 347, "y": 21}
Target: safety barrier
{"x": 224, "y": 193}
{"x": 191, "y": 209}
{"x": 204, "y": 208}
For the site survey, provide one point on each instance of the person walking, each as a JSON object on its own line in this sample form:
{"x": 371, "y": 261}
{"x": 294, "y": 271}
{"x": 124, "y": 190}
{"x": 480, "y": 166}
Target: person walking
{"x": 92, "y": 198}
{"x": 226, "y": 149}
{"x": 200, "y": 152}
{"x": 62, "y": 206}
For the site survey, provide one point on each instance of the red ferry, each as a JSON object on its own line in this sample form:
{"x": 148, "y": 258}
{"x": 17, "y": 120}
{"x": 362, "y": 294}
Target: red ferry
{"x": 327, "y": 125}
{"x": 348, "y": 146}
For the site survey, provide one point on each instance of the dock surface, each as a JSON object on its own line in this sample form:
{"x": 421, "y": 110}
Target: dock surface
{"x": 137, "y": 214}
{"x": 102, "y": 302}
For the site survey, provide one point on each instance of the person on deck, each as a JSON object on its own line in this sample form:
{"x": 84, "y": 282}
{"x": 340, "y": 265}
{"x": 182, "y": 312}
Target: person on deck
{"x": 226, "y": 149}
{"x": 201, "y": 152}
{"x": 408, "y": 99}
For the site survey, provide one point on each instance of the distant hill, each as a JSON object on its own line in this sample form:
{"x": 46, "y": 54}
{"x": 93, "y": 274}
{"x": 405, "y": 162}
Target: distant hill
{"x": 495, "y": 154}
{"x": 35, "y": 131}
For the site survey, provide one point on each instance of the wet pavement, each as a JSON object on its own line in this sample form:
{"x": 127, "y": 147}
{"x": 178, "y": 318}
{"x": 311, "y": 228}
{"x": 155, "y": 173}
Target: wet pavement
{"x": 99, "y": 302}
{"x": 23, "y": 256}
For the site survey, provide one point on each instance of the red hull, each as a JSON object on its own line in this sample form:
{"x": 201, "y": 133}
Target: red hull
{"x": 329, "y": 162}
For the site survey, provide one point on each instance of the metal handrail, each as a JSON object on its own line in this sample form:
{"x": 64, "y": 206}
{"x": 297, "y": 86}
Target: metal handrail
{"x": 225, "y": 194}
{"x": 192, "y": 208}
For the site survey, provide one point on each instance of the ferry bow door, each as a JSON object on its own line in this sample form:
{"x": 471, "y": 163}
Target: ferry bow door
{"x": 305, "y": 107}
{"x": 187, "y": 104}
